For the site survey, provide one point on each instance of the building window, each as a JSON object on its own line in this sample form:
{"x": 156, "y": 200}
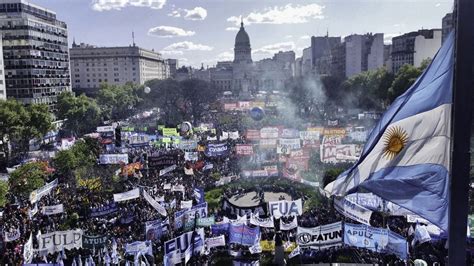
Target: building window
{"x": 116, "y": 80}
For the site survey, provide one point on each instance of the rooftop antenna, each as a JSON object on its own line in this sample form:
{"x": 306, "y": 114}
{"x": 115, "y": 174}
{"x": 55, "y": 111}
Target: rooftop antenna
{"x": 241, "y": 21}
{"x": 133, "y": 38}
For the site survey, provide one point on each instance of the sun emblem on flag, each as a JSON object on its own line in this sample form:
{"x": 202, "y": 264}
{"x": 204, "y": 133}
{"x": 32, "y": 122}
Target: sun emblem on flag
{"x": 395, "y": 140}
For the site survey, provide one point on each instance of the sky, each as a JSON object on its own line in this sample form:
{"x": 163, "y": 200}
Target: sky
{"x": 203, "y": 31}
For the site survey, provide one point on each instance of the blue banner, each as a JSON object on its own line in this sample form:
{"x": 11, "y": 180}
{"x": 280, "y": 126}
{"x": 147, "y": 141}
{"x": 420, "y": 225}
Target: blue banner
{"x": 364, "y": 236}
{"x": 214, "y": 150}
{"x": 104, "y": 210}
{"x": 220, "y": 229}
{"x": 244, "y": 235}
{"x": 199, "y": 195}
{"x": 397, "y": 245}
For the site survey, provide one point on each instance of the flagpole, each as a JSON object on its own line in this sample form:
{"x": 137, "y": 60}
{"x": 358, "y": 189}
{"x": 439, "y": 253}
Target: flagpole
{"x": 461, "y": 130}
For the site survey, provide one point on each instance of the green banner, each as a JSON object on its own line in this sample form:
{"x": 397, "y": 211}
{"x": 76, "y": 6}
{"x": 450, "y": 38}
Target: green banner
{"x": 207, "y": 221}
{"x": 170, "y": 132}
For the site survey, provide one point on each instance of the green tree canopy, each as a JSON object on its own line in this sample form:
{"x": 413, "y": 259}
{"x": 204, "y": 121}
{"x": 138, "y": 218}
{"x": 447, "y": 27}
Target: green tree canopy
{"x": 117, "y": 101}
{"x": 3, "y": 193}
{"x": 82, "y": 113}
{"x": 28, "y": 177}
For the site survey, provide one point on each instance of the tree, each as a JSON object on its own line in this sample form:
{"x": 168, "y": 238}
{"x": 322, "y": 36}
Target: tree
{"x": 197, "y": 95}
{"x": 3, "y": 193}
{"x": 82, "y": 113}
{"x": 405, "y": 77}
{"x": 116, "y": 101}
{"x": 84, "y": 153}
{"x": 20, "y": 124}
{"x": 28, "y": 177}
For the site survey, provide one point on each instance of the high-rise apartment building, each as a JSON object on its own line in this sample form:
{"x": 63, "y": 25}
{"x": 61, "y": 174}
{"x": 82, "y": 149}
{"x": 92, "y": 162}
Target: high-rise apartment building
{"x": 414, "y": 47}
{"x": 363, "y": 53}
{"x": 35, "y": 53}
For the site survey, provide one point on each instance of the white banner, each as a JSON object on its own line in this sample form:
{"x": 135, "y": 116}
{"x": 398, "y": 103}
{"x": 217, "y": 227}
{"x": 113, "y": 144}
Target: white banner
{"x": 50, "y": 210}
{"x": 309, "y": 135}
{"x": 167, "y": 169}
{"x": 292, "y": 144}
{"x": 28, "y": 250}
{"x": 234, "y": 135}
{"x": 262, "y": 222}
{"x": 285, "y": 208}
{"x": 113, "y": 158}
{"x": 289, "y": 226}
{"x": 179, "y": 188}
{"x": 33, "y": 211}
{"x": 12, "y": 235}
{"x": 321, "y": 236}
{"x": 59, "y": 240}
{"x": 37, "y": 194}
{"x": 186, "y": 204}
{"x": 167, "y": 186}
{"x": 160, "y": 209}
{"x": 269, "y": 132}
{"x": 294, "y": 253}
{"x": 131, "y": 194}
{"x": 352, "y": 210}
{"x": 191, "y": 156}
{"x": 215, "y": 241}
{"x": 105, "y": 129}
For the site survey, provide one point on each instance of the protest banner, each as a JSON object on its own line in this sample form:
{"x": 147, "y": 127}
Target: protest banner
{"x": 162, "y": 161}
{"x": 218, "y": 241}
{"x": 230, "y": 106}
{"x": 169, "y": 132}
{"x": 353, "y": 211}
{"x": 104, "y": 210}
{"x": 220, "y": 229}
{"x": 323, "y": 236}
{"x": 262, "y": 222}
{"x": 160, "y": 209}
{"x": 285, "y": 208}
{"x": 364, "y": 236}
{"x": 191, "y": 156}
{"x": 11, "y": 235}
{"x": 131, "y": 194}
{"x": 269, "y": 245}
{"x": 244, "y": 149}
{"x": 51, "y": 210}
{"x": 168, "y": 169}
{"x": 105, "y": 129}
{"x": 290, "y": 133}
{"x": 288, "y": 226}
{"x": 181, "y": 216}
{"x": 183, "y": 242}
{"x": 186, "y": 204}
{"x": 309, "y": 135}
{"x": 243, "y": 235}
{"x": 59, "y": 240}
{"x": 215, "y": 150}
{"x": 113, "y": 158}
{"x": 261, "y": 209}
{"x": 188, "y": 144}
{"x": 269, "y": 133}
{"x": 139, "y": 247}
{"x": 367, "y": 200}
{"x": 91, "y": 242}
{"x": 28, "y": 252}
{"x": 397, "y": 245}
{"x": 37, "y": 194}
{"x": 205, "y": 222}
{"x": 252, "y": 134}
{"x": 290, "y": 144}
{"x": 153, "y": 230}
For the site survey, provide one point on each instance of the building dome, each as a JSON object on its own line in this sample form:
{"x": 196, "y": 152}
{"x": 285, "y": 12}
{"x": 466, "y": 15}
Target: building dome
{"x": 242, "y": 38}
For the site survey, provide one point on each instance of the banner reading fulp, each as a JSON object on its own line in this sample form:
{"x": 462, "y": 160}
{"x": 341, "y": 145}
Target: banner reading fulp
{"x": 59, "y": 240}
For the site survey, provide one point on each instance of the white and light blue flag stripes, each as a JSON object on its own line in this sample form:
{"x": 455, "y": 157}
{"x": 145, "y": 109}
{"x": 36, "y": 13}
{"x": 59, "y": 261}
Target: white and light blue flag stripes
{"x": 407, "y": 155}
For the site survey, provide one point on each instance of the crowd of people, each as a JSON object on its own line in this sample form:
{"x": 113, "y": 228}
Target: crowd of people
{"x": 124, "y": 221}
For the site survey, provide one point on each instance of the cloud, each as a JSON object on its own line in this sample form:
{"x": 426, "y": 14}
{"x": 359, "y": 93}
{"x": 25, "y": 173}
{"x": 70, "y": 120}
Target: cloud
{"x": 288, "y": 14}
{"x": 438, "y": 4}
{"x": 275, "y": 48}
{"x": 225, "y": 56}
{"x": 305, "y": 37}
{"x": 168, "y": 32}
{"x": 231, "y": 29}
{"x": 106, "y": 5}
{"x": 288, "y": 36}
{"x": 187, "y": 46}
{"x": 387, "y": 37}
{"x": 197, "y": 13}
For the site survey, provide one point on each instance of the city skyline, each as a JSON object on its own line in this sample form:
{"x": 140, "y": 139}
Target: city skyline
{"x": 203, "y": 31}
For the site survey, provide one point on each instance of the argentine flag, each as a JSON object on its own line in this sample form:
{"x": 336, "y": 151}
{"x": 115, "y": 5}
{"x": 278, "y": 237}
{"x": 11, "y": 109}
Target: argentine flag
{"x": 406, "y": 159}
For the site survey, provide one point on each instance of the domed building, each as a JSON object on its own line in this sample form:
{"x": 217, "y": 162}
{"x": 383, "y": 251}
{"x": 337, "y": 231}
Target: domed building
{"x": 243, "y": 74}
